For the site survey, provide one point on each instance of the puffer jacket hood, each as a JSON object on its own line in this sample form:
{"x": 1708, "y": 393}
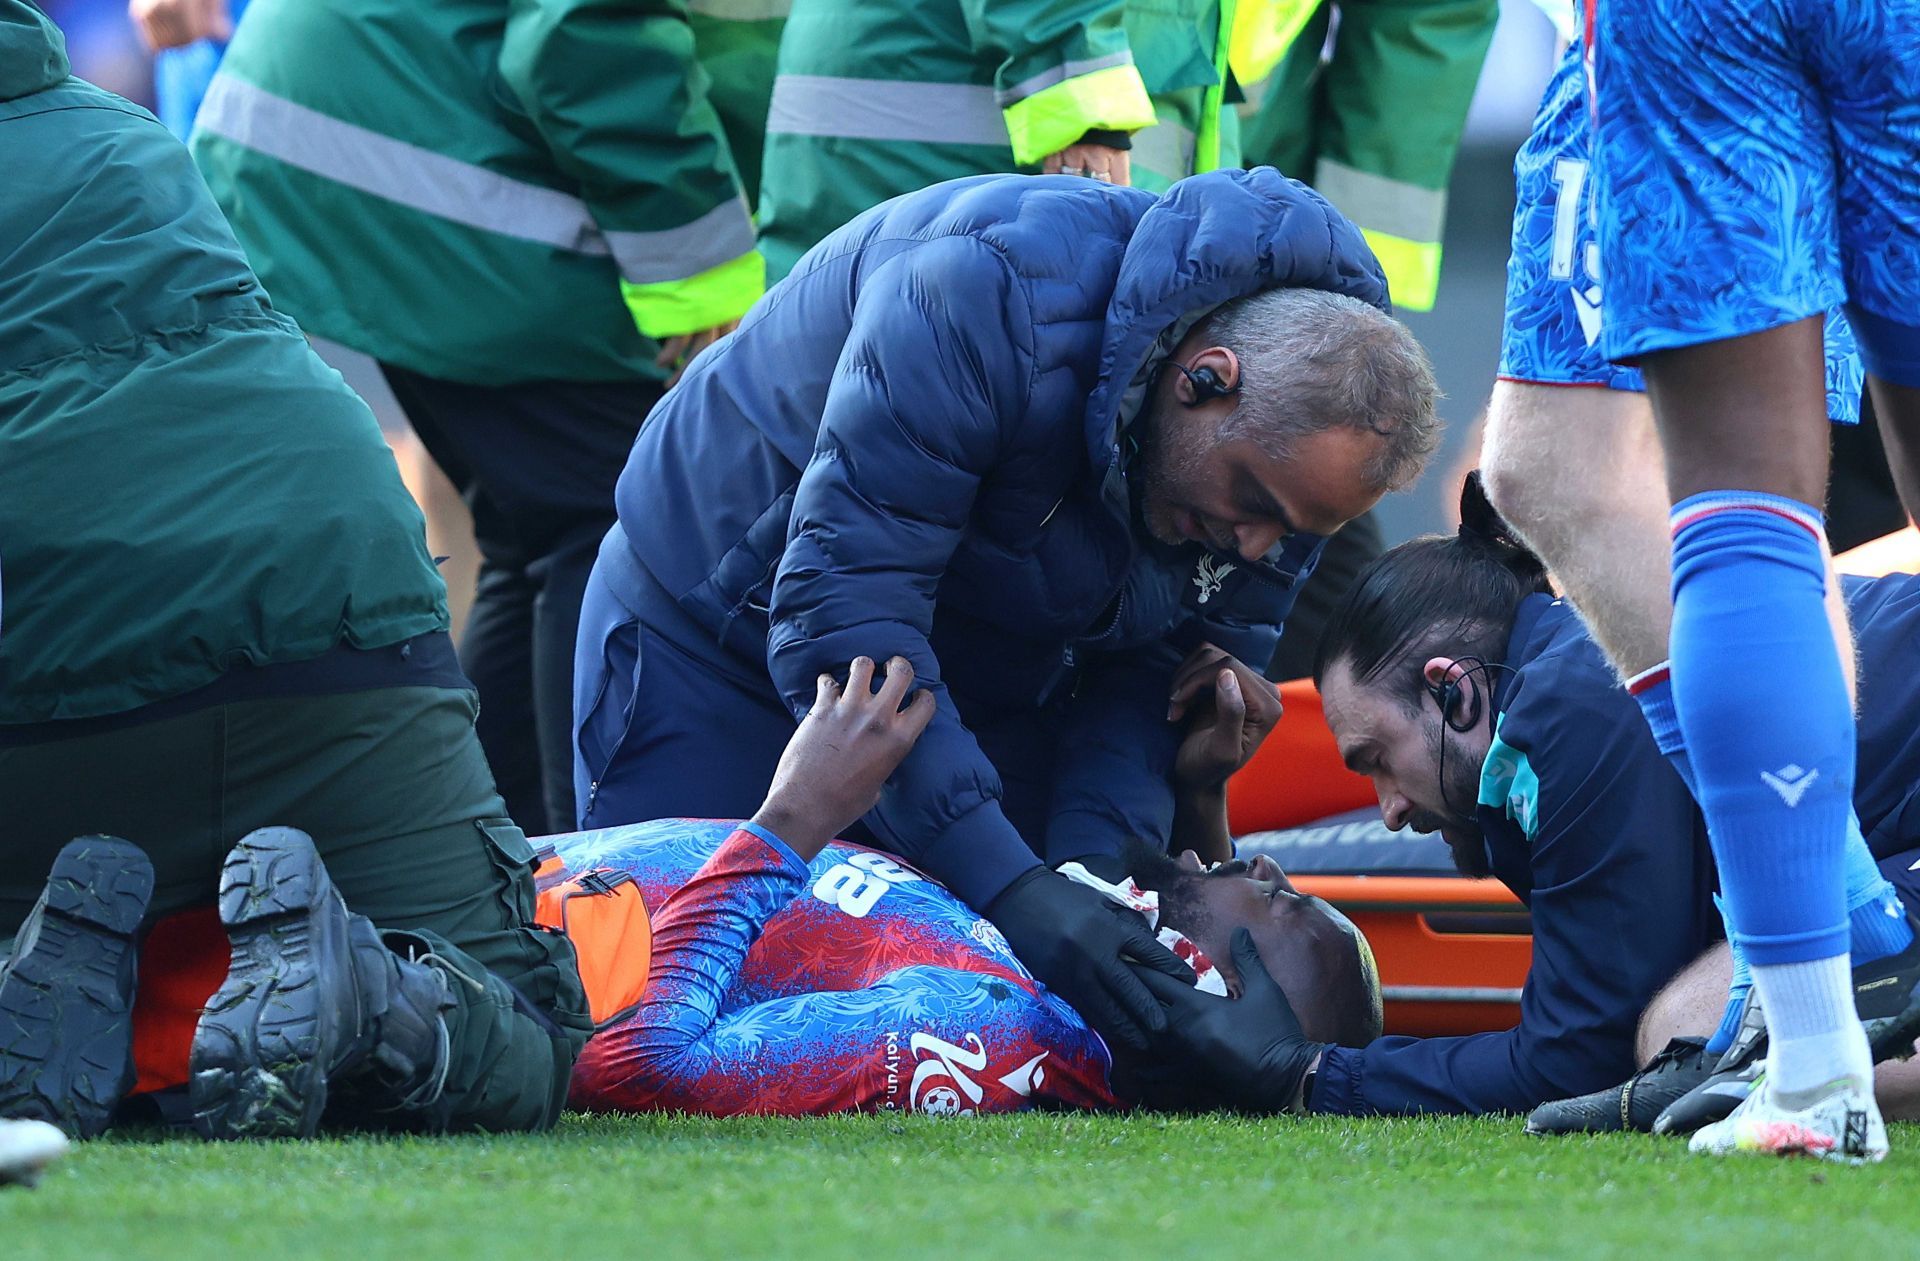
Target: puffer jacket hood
{"x": 33, "y": 54}
{"x": 1230, "y": 234}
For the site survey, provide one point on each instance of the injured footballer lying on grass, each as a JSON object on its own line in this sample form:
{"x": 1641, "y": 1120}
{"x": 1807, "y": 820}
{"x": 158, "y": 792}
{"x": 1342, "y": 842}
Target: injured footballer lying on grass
{"x": 766, "y": 967}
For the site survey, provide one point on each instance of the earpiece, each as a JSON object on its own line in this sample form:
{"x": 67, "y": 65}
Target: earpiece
{"x": 1448, "y": 695}
{"x": 1205, "y": 381}
{"x": 1445, "y": 695}
{"x": 1206, "y": 385}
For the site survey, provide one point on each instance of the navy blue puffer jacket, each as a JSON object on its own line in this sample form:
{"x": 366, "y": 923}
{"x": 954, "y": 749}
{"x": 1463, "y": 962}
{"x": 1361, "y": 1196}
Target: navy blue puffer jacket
{"x": 913, "y": 445}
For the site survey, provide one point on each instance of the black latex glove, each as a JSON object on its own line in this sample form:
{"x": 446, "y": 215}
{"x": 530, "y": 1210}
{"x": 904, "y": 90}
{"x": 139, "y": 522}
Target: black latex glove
{"x": 1078, "y": 943}
{"x": 1251, "y": 1048}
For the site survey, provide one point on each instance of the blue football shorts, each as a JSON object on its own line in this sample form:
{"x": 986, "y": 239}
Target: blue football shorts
{"x": 1758, "y": 162}
{"x": 1554, "y": 316}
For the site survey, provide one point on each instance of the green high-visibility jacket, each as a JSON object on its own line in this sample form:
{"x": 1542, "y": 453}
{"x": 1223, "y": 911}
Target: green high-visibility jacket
{"x": 874, "y": 98}
{"x": 738, "y": 41}
{"x": 488, "y": 191}
{"x": 1373, "y": 122}
{"x": 184, "y": 487}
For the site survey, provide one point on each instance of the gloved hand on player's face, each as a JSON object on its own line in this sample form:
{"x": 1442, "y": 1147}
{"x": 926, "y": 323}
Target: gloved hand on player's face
{"x": 1078, "y": 943}
{"x": 1251, "y": 1047}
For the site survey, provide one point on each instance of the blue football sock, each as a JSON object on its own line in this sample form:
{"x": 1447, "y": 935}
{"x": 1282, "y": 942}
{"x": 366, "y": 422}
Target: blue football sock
{"x": 1652, "y": 690}
{"x": 1737, "y": 988}
{"x": 1764, "y": 716}
{"x": 1876, "y": 918}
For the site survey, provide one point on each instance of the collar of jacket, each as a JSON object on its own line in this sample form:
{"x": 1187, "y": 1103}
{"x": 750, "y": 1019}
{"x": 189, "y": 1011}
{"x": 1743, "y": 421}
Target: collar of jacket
{"x": 1521, "y": 647}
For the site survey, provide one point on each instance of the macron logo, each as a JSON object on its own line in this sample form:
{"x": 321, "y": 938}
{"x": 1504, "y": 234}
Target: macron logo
{"x": 1790, "y": 782}
{"x": 1586, "y": 305}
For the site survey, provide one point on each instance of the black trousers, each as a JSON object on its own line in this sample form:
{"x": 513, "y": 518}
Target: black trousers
{"x": 536, "y": 464}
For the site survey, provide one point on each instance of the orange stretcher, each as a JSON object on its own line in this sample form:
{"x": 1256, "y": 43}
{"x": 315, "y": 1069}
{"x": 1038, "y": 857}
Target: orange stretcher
{"x": 1453, "y": 953}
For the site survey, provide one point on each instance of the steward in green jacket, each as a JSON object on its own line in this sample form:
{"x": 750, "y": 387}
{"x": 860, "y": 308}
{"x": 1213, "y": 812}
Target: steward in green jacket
{"x": 1373, "y": 121}
{"x": 527, "y": 211}
{"x": 221, "y": 616}
{"x": 881, "y": 97}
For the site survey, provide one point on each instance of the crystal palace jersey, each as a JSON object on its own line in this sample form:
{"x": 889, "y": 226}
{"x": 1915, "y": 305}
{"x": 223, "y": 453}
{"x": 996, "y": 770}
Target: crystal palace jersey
{"x": 851, "y": 984}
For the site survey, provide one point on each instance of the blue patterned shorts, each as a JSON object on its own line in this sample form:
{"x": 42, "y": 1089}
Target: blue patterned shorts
{"x": 1758, "y": 162}
{"x": 1554, "y": 316}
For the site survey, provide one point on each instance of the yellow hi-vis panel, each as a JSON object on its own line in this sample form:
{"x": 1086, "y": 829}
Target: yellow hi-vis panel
{"x": 1263, "y": 31}
{"x": 714, "y": 297}
{"x": 1112, "y": 99}
{"x": 1412, "y": 268}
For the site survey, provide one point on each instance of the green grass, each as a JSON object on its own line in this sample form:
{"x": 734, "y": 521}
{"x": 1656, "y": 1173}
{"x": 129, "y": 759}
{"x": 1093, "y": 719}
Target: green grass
{"x": 1056, "y": 1187}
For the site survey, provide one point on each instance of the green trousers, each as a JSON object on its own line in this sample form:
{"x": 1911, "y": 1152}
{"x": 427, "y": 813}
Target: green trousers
{"x": 393, "y": 788}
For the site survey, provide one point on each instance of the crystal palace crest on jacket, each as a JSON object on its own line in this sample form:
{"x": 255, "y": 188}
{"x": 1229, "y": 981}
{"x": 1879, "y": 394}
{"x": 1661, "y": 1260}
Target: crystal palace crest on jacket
{"x": 1209, "y": 574}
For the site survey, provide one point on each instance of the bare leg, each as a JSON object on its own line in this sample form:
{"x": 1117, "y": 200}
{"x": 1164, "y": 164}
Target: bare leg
{"x": 1896, "y": 1084}
{"x": 1749, "y": 412}
{"x": 1898, "y": 407}
{"x": 1580, "y": 474}
{"x": 1689, "y": 1006}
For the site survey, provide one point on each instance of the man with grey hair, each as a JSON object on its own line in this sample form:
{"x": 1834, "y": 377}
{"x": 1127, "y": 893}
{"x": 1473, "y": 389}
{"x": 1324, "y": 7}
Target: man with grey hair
{"x": 1042, "y": 438}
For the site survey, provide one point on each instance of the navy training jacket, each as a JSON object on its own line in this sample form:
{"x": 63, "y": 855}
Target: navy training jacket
{"x": 1590, "y": 826}
{"x": 914, "y": 445}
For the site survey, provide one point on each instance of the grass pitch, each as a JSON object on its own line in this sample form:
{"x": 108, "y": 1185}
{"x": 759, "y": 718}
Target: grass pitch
{"x": 1055, "y": 1187}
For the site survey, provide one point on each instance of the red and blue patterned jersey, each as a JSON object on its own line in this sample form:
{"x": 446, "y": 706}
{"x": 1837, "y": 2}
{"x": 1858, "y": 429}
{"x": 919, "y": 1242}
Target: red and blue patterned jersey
{"x": 851, "y": 984}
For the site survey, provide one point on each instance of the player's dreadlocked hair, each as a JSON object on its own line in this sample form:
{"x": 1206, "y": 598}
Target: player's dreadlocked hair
{"x": 1452, "y": 594}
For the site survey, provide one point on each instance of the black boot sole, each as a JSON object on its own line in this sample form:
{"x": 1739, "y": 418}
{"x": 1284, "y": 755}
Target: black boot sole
{"x": 66, "y": 995}
{"x": 258, "y": 1068}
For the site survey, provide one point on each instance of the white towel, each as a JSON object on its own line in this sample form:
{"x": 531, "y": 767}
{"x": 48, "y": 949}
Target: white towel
{"x": 1207, "y": 978}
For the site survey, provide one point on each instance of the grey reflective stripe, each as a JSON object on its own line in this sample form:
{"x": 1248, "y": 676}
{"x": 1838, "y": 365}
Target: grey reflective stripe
{"x": 1166, "y": 149}
{"x": 1060, "y": 74}
{"x": 741, "y": 10}
{"x": 470, "y": 195}
{"x": 885, "y": 109}
{"x": 718, "y": 236}
{"x": 1380, "y": 204}
{"x": 414, "y": 177}
{"x": 1448, "y": 994}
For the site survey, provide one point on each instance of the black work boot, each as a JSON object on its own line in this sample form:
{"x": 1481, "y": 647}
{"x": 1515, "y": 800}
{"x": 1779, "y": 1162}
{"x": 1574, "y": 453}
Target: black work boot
{"x": 1636, "y": 1102}
{"x": 66, "y": 993}
{"x": 311, "y": 998}
{"x": 402, "y": 1065}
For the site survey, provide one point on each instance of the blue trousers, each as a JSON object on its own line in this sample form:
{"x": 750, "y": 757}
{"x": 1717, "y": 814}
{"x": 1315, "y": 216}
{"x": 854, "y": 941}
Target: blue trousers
{"x": 670, "y": 724}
